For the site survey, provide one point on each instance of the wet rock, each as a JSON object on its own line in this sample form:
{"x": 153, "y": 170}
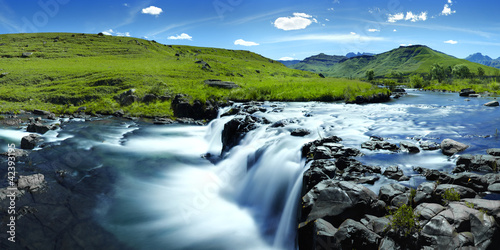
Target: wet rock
{"x": 440, "y": 233}
{"x": 492, "y": 104}
{"x": 300, "y": 132}
{"x": 309, "y": 149}
{"x": 336, "y": 201}
{"x": 232, "y": 111}
{"x": 395, "y": 173}
{"x": 451, "y": 147}
{"x": 40, "y": 112}
{"x": 493, "y": 151}
{"x": 466, "y": 92}
{"x": 162, "y": 121}
{"x": 182, "y": 107}
{"x": 485, "y": 230}
{"x": 32, "y": 183}
{"x": 283, "y": 123}
{"x": 383, "y": 145}
{"x": 119, "y": 113}
{"x": 425, "y": 193}
{"x": 479, "y": 163}
{"x": 316, "y": 235}
{"x": 464, "y": 192}
{"x": 221, "y": 84}
{"x": 457, "y": 214}
{"x": 17, "y": 153}
{"x": 234, "y": 130}
{"x": 429, "y": 174}
{"x": 409, "y": 147}
{"x": 40, "y": 128}
{"x": 319, "y": 170}
{"x": 389, "y": 191}
{"x": 30, "y": 141}
{"x": 354, "y": 235}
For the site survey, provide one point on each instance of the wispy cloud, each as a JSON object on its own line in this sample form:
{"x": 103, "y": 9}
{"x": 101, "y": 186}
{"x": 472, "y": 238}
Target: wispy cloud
{"x": 111, "y": 32}
{"x": 410, "y": 16}
{"x": 152, "y": 10}
{"x": 451, "y": 42}
{"x": 258, "y": 17}
{"x": 181, "y": 25}
{"x": 298, "y": 21}
{"x": 373, "y": 30}
{"x": 245, "y": 43}
{"x": 182, "y": 36}
{"x": 338, "y": 38}
{"x": 286, "y": 58}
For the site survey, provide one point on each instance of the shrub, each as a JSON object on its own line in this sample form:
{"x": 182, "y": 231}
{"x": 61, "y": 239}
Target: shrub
{"x": 404, "y": 221}
{"x": 417, "y": 81}
{"x": 450, "y": 194}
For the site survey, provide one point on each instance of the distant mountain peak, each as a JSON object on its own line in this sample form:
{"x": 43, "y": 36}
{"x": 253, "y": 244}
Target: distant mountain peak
{"x": 484, "y": 60}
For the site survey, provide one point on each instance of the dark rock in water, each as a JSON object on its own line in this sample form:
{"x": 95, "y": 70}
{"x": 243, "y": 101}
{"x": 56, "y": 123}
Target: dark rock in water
{"x": 119, "y": 113}
{"x": 221, "y": 84}
{"x": 409, "y": 147}
{"x": 486, "y": 231}
{"x": 492, "y": 104}
{"x": 189, "y": 121}
{"x": 232, "y": 111}
{"x": 162, "y": 121}
{"x": 300, "y": 132}
{"x": 40, "y": 112}
{"x": 376, "y": 145}
{"x": 479, "y": 163}
{"x": 427, "y": 145}
{"x": 40, "y": 128}
{"x": 466, "y": 92}
{"x": 309, "y": 148}
{"x": 18, "y": 154}
{"x": 234, "y": 130}
{"x": 354, "y": 235}
{"x": 399, "y": 91}
{"x": 319, "y": 171}
{"x": 429, "y": 174}
{"x": 395, "y": 173}
{"x": 376, "y": 98}
{"x": 283, "y": 123}
{"x": 336, "y": 201}
{"x": 32, "y": 183}
{"x": 493, "y": 151}
{"x": 30, "y": 141}
{"x": 451, "y": 147}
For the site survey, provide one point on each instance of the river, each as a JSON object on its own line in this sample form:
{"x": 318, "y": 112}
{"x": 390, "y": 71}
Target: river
{"x": 165, "y": 195}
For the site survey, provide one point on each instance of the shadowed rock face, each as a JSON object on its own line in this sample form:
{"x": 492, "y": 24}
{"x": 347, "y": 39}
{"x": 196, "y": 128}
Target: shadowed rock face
{"x": 451, "y": 147}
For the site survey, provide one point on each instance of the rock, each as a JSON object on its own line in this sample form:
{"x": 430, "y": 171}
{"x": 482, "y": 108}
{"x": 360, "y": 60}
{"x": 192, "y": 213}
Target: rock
{"x": 119, "y": 113}
{"x": 492, "y": 104}
{"x": 466, "y": 92}
{"x": 440, "y": 233}
{"x": 40, "y": 112}
{"x": 494, "y": 188}
{"x": 376, "y": 98}
{"x": 376, "y": 224}
{"x": 409, "y": 147}
{"x": 479, "y": 163}
{"x": 457, "y": 214}
{"x": 354, "y": 235}
{"x": 30, "y": 141}
{"x": 485, "y": 230}
{"x": 475, "y": 95}
{"x": 234, "y": 130}
{"x": 425, "y": 193}
{"x": 427, "y": 211}
{"x": 309, "y": 149}
{"x": 464, "y": 192}
{"x": 51, "y": 116}
{"x": 182, "y": 107}
{"x": 147, "y": 98}
{"x": 493, "y": 151}
{"x": 162, "y": 121}
{"x": 221, "y": 84}
{"x": 395, "y": 173}
{"x": 336, "y": 201}
{"x": 127, "y": 98}
{"x": 17, "y": 153}
{"x": 466, "y": 239}
{"x": 283, "y": 123}
{"x": 389, "y": 191}
{"x": 490, "y": 206}
{"x": 319, "y": 171}
{"x": 383, "y": 145}
{"x": 32, "y": 183}
{"x": 40, "y": 128}
{"x": 27, "y": 54}
{"x": 429, "y": 174}
{"x": 300, "y": 132}
{"x": 451, "y": 147}
{"x": 316, "y": 235}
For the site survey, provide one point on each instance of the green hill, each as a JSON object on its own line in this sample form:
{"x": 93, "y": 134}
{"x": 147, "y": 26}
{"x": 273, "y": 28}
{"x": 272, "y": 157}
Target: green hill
{"x": 404, "y": 60}
{"x": 318, "y": 63}
{"x": 62, "y": 71}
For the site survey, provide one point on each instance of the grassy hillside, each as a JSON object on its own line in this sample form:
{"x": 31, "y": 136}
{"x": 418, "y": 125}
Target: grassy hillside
{"x": 60, "y": 72}
{"x": 318, "y": 63}
{"x": 403, "y": 60}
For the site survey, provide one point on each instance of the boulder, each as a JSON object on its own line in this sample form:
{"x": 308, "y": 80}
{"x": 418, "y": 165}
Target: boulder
{"x": 429, "y": 174}
{"x": 309, "y": 149}
{"x": 427, "y": 211}
{"x": 300, "y": 132}
{"x": 30, "y": 141}
{"x": 234, "y": 130}
{"x": 318, "y": 234}
{"x": 440, "y": 233}
{"x": 319, "y": 171}
{"x": 17, "y": 153}
{"x": 428, "y": 145}
{"x": 182, "y": 107}
{"x": 148, "y": 98}
{"x": 283, "y": 123}
{"x": 336, "y": 201}
{"x": 40, "y": 128}
{"x": 493, "y": 151}
{"x": 389, "y": 191}
{"x": 457, "y": 214}
{"x": 425, "y": 193}
{"x": 451, "y": 147}
{"x": 395, "y": 173}
{"x": 376, "y": 145}
{"x": 376, "y": 224}
{"x": 409, "y": 147}
{"x": 221, "y": 84}
{"x": 354, "y": 235}
{"x": 40, "y": 112}
{"x": 32, "y": 183}
{"x": 492, "y": 104}
{"x": 464, "y": 192}
{"x": 162, "y": 121}
{"x": 466, "y": 92}
{"x": 479, "y": 163}
{"x": 485, "y": 230}
{"x": 127, "y": 98}
{"x": 27, "y": 54}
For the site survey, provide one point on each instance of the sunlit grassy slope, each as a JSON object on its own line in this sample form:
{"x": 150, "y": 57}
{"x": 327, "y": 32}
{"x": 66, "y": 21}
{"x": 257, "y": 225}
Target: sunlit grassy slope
{"x": 66, "y": 71}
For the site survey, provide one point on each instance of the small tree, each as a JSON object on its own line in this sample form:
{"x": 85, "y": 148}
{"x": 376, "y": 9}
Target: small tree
{"x": 437, "y": 72}
{"x": 480, "y": 72}
{"x": 461, "y": 71}
{"x": 370, "y": 75}
{"x": 417, "y": 81}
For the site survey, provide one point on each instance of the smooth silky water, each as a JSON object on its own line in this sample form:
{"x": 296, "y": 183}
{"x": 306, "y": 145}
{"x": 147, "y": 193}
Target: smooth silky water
{"x": 167, "y": 196}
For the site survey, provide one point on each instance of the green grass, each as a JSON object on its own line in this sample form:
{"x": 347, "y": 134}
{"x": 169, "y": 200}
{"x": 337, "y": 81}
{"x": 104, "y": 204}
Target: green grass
{"x": 449, "y": 195}
{"x": 480, "y": 86}
{"x": 90, "y": 70}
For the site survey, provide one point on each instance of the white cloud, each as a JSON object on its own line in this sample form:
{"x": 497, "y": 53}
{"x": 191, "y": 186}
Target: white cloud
{"x": 287, "y": 58}
{"x": 405, "y": 45}
{"x": 447, "y": 10}
{"x": 353, "y": 33}
{"x": 331, "y": 9}
{"x": 328, "y": 20}
{"x": 182, "y": 36}
{"x": 111, "y": 32}
{"x": 395, "y": 30}
{"x": 450, "y": 2}
{"x": 152, "y": 10}
{"x": 123, "y": 34}
{"x": 245, "y": 43}
{"x": 396, "y": 17}
{"x": 297, "y": 22}
{"x": 126, "y": 5}
{"x": 409, "y": 17}
{"x": 373, "y": 30}
{"x": 451, "y": 42}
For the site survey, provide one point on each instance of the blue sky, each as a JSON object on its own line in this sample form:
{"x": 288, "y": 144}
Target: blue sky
{"x": 275, "y": 29}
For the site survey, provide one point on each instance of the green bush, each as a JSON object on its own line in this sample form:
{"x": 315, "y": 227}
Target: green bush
{"x": 404, "y": 221}
{"x": 450, "y": 194}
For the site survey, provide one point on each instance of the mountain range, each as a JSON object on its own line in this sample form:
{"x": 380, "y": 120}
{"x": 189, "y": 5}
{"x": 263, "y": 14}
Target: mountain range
{"x": 404, "y": 60}
{"x": 484, "y": 60}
